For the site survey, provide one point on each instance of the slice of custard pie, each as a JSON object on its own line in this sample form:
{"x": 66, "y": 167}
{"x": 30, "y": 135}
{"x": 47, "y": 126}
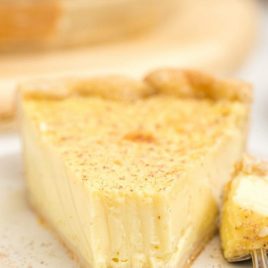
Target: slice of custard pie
{"x": 127, "y": 173}
{"x": 244, "y": 224}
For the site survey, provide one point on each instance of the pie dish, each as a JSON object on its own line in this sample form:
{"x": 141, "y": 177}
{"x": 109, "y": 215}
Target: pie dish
{"x": 128, "y": 173}
{"x": 244, "y": 224}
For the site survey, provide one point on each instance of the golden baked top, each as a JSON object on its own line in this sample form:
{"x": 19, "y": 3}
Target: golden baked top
{"x": 121, "y": 134}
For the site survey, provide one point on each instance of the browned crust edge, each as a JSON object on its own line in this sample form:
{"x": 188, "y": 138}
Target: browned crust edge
{"x": 42, "y": 221}
{"x": 204, "y": 241}
{"x": 109, "y": 87}
{"x": 185, "y": 83}
{"x": 180, "y": 83}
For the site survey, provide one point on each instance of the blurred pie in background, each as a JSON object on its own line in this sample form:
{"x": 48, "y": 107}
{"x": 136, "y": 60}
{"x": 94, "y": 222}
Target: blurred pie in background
{"x": 212, "y": 35}
{"x": 51, "y": 23}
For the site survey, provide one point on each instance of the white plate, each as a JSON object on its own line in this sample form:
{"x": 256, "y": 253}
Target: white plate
{"x": 26, "y": 243}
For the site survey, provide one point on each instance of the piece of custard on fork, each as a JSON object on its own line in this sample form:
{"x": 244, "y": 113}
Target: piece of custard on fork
{"x": 244, "y": 221}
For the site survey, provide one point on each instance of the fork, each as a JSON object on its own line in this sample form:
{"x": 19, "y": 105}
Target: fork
{"x": 259, "y": 258}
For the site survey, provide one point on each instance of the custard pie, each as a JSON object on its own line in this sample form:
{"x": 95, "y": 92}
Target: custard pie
{"x": 128, "y": 172}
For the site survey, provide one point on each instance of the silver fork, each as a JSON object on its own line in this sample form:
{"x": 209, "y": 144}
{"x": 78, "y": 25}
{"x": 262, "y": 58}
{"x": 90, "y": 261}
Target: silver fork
{"x": 259, "y": 258}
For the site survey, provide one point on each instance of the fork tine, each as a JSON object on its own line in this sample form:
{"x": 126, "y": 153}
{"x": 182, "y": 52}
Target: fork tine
{"x": 259, "y": 258}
